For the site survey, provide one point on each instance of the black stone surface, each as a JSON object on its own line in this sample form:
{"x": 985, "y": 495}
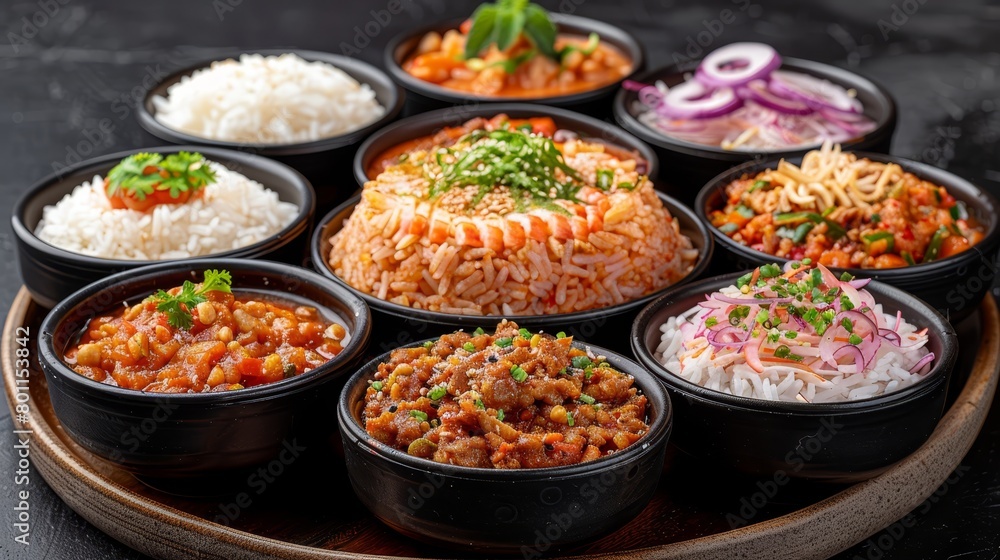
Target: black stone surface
{"x": 70, "y": 71}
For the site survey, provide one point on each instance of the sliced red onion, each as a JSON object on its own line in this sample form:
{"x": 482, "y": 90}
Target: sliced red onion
{"x": 725, "y": 337}
{"x": 851, "y": 117}
{"x": 859, "y": 283}
{"x": 926, "y": 359}
{"x": 869, "y": 349}
{"x": 651, "y": 96}
{"x": 890, "y": 336}
{"x": 857, "y": 318}
{"x": 737, "y": 64}
{"x": 758, "y": 92}
{"x": 802, "y": 324}
{"x": 859, "y": 358}
{"x": 633, "y": 85}
{"x": 692, "y": 100}
{"x": 833, "y": 117}
{"x": 827, "y": 346}
{"x": 816, "y": 92}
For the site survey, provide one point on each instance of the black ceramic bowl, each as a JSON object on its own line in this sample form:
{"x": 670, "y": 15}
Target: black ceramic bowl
{"x": 429, "y": 123}
{"x": 832, "y": 442}
{"x": 51, "y": 273}
{"x": 954, "y": 285}
{"x": 191, "y": 437}
{"x": 513, "y": 510}
{"x": 423, "y": 96}
{"x": 606, "y": 325}
{"x": 321, "y": 160}
{"x": 693, "y": 164}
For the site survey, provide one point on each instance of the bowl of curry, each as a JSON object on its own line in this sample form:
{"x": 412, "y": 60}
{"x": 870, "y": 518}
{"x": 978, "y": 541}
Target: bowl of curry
{"x": 483, "y": 437}
{"x": 226, "y": 360}
{"x": 556, "y": 59}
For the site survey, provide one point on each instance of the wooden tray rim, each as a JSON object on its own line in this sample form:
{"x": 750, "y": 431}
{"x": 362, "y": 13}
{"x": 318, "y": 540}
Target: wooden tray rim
{"x": 816, "y": 531}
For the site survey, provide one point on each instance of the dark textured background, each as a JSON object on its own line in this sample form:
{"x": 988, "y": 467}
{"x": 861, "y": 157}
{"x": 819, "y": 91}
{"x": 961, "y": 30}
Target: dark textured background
{"x": 67, "y": 87}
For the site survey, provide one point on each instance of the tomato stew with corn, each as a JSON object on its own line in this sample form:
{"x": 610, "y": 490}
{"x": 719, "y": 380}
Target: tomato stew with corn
{"x": 234, "y": 341}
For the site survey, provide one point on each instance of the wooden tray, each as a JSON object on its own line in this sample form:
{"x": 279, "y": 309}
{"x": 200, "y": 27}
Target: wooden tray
{"x": 309, "y": 511}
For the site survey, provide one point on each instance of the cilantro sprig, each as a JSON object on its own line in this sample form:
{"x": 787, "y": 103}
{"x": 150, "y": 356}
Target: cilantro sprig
{"x": 177, "y": 307}
{"x": 142, "y": 174}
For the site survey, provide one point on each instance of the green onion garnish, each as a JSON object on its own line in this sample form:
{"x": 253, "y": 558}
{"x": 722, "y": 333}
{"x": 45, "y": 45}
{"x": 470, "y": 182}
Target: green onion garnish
{"x": 420, "y": 415}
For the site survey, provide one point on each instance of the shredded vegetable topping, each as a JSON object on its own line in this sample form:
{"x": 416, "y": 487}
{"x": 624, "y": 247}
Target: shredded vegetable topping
{"x": 802, "y": 328}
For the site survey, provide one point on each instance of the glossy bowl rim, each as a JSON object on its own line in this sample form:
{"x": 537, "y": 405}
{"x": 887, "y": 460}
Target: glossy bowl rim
{"x": 299, "y": 223}
{"x": 921, "y": 170}
{"x": 319, "y": 262}
{"x": 629, "y": 122}
{"x": 436, "y": 116}
{"x": 53, "y": 364}
{"x": 634, "y": 49}
{"x": 149, "y": 123}
{"x": 647, "y": 382}
{"x": 935, "y": 322}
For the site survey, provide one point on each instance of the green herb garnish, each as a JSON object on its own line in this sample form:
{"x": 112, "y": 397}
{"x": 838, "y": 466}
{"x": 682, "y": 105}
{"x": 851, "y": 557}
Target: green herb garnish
{"x": 142, "y": 174}
{"x": 178, "y": 307}
{"x": 502, "y": 22}
{"x": 581, "y": 362}
{"x": 479, "y": 331}
{"x": 420, "y": 415}
{"x": 570, "y": 421}
{"x": 469, "y": 347}
{"x": 518, "y": 373}
{"x": 437, "y": 393}
{"x": 377, "y": 385}
{"x": 500, "y": 415}
{"x": 586, "y": 399}
{"x": 605, "y": 178}
{"x": 503, "y": 342}
{"x": 524, "y": 163}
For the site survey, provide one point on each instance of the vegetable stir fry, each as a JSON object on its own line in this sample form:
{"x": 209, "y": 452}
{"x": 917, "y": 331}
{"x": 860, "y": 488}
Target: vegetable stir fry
{"x": 846, "y": 212}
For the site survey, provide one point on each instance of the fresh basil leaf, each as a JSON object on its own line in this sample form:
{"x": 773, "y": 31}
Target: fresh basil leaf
{"x": 483, "y": 21}
{"x": 540, "y": 30}
{"x": 507, "y": 28}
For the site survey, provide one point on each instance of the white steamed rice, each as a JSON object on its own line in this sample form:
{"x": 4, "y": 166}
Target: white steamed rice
{"x": 232, "y": 212}
{"x": 268, "y": 100}
{"x": 726, "y": 371}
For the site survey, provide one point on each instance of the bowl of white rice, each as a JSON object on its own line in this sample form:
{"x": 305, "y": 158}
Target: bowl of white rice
{"x": 69, "y": 234}
{"x": 307, "y": 109}
{"x": 838, "y": 397}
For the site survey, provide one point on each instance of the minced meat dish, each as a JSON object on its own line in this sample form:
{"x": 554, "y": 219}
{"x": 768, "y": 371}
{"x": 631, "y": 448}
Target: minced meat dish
{"x": 512, "y": 399}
